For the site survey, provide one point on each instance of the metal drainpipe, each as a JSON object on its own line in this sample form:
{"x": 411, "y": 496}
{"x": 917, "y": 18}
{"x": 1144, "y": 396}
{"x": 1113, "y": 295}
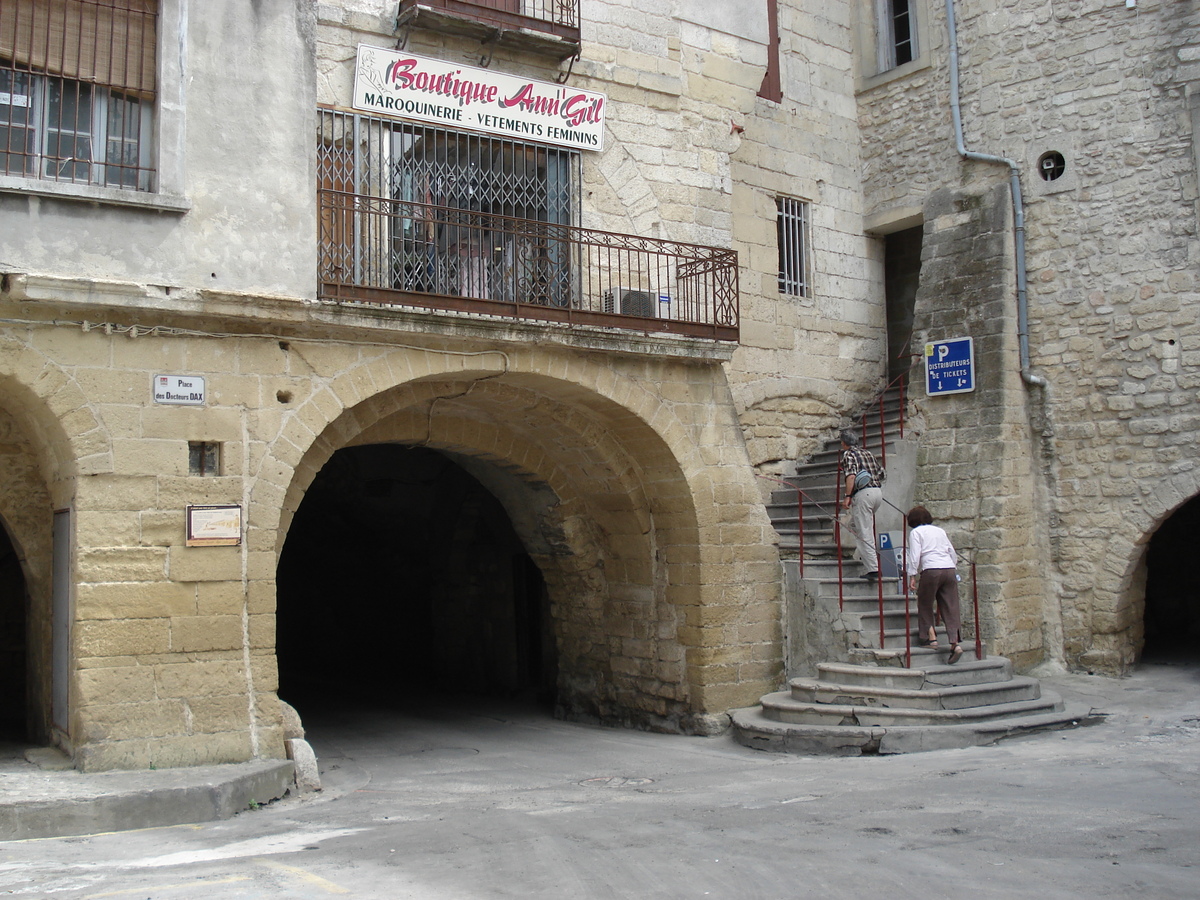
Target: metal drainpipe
{"x": 1017, "y": 201}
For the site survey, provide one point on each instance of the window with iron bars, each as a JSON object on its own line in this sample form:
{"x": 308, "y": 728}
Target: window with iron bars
{"x": 791, "y": 227}
{"x": 429, "y": 210}
{"x": 77, "y": 91}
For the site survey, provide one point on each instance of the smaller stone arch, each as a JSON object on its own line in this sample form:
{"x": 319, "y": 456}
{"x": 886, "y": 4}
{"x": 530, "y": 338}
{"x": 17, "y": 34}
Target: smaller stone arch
{"x": 1118, "y": 607}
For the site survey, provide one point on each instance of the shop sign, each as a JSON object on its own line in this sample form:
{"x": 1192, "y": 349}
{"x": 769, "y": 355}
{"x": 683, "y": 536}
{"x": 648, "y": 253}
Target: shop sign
{"x": 408, "y": 86}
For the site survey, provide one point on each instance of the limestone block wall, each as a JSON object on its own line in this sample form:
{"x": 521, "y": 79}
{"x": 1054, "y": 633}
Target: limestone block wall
{"x": 1111, "y": 257}
{"x": 675, "y": 166}
{"x": 977, "y": 450}
{"x": 657, "y": 554}
{"x": 805, "y": 362}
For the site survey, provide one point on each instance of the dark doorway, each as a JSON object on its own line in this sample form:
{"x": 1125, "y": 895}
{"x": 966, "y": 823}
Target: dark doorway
{"x": 13, "y": 611}
{"x": 1172, "y": 616}
{"x": 901, "y": 278}
{"x": 402, "y": 576}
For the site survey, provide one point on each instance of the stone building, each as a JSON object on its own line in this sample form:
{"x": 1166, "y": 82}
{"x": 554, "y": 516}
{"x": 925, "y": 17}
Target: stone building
{"x": 372, "y": 345}
{"x": 1039, "y": 160}
{"x": 380, "y": 345}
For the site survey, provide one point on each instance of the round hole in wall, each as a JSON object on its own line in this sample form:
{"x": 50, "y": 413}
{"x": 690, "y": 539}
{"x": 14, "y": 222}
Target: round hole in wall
{"x": 1051, "y": 165}
{"x": 284, "y": 396}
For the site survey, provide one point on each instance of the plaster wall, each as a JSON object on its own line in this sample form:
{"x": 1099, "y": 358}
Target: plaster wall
{"x": 233, "y": 209}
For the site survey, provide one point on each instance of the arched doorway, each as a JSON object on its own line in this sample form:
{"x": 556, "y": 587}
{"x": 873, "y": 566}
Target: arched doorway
{"x": 14, "y": 606}
{"x": 402, "y": 575}
{"x": 1172, "y": 615}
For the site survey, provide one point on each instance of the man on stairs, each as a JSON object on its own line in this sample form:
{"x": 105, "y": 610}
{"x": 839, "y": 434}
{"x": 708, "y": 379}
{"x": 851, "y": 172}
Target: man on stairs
{"x": 864, "y": 493}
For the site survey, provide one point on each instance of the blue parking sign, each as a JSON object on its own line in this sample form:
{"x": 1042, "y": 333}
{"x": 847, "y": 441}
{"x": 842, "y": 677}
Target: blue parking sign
{"x": 950, "y": 367}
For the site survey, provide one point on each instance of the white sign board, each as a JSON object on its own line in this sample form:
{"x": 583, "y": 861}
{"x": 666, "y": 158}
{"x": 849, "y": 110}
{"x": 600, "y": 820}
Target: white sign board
{"x": 180, "y": 390}
{"x": 407, "y": 86}
{"x": 214, "y": 526}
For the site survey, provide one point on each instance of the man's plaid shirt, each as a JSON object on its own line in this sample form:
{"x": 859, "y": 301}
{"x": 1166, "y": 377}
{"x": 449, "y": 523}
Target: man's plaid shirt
{"x": 856, "y": 459}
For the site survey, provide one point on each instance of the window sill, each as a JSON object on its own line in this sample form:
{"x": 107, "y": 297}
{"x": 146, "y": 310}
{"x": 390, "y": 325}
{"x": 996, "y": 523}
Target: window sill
{"x": 867, "y": 82}
{"x": 90, "y": 193}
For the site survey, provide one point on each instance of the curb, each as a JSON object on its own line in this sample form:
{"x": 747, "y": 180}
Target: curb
{"x": 73, "y": 803}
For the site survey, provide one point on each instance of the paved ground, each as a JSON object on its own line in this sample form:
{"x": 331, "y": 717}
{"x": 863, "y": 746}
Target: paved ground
{"x": 445, "y": 803}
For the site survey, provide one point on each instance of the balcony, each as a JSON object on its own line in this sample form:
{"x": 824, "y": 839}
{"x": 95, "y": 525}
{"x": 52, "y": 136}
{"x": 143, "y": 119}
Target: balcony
{"x": 418, "y": 217}
{"x": 547, "y": 27}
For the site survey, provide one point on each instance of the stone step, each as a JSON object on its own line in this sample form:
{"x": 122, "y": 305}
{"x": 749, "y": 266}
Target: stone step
{"x": 965, "y": 671}
{"x": 752, "y": 729}
{"x": 782, "y": 707}
{"x": 893, "y": 655}
{"x": 894, "y": 638}
{"x": 926, "y": 697}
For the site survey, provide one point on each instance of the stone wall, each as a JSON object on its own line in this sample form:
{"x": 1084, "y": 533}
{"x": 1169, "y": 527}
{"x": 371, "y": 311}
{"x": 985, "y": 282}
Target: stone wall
{"x": 1104, "y": 452}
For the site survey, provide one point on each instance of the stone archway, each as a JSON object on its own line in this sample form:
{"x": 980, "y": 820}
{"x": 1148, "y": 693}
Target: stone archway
{"x": 1118, "y": 600}
{"x": 656, "y": 551}
{"x": 403, "y": 576}
{"x": 25, "y": 604}
{"x": 604, "y": 522}
{"x": 1171, "y": 615}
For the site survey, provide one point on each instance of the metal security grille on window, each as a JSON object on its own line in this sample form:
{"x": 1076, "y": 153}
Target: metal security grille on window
{"x": 791, "y": 225}
{"x": 455, "y": 201}
{"x": 77, "y": 89}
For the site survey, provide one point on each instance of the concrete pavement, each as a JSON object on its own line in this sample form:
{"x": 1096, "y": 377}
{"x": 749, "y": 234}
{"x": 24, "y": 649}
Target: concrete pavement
{"x": 496, "y": 802}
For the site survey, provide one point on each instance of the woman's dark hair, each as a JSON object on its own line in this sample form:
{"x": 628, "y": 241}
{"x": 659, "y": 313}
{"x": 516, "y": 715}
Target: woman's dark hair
{"x": 919, "y": 515}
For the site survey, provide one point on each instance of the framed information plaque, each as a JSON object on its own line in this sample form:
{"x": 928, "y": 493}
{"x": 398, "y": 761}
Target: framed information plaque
{"x": 214, "y": 526}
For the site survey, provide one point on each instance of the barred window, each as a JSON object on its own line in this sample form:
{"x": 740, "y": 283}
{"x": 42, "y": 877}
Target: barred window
{"x": 77, "y": 91}
{"x": 791, "y": 226}
{"x": 454, "y": 226}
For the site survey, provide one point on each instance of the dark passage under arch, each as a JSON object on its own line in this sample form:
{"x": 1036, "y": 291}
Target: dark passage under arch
{"x": 13, "y": 653}
{"x": 1172, "y": 617}
{"x": 402, "y": 576}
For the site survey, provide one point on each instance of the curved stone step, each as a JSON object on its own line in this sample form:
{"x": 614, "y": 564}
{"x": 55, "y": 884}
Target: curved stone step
{"x": 782, "y": 707}
{"x": 752, "y": 729}
{"x": 893, "y": 655}
{"x": 934, "y": 697}
{"x": 972, "y": 671}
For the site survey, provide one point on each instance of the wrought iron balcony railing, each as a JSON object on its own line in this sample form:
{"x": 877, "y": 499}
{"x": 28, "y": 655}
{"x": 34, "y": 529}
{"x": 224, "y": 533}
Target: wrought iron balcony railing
{"x": 423, "y": 216}
{"x": 406, "y": 253}
{"x": 501, "y": 20}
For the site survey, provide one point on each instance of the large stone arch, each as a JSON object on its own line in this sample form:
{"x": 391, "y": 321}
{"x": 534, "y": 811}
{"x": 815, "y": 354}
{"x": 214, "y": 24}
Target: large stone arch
{"x": 1119, "y": 595}
{"x": 48, "y": 434}
{"x": 655, "y": 547}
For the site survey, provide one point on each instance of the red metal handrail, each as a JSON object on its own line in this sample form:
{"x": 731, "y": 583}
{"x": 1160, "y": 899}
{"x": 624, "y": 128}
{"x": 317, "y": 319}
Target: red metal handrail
{"x": 901, "y": 382}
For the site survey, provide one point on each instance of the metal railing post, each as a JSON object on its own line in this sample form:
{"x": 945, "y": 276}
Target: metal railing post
{"x": 907, "y": 618}
{"x": 975, "y": 604}
{"x": 800, "y": 525}
{"x": 878, "y": 579}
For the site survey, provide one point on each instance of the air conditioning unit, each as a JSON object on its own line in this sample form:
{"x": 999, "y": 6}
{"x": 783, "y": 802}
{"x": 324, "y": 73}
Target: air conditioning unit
{"x": 630, "y": 302}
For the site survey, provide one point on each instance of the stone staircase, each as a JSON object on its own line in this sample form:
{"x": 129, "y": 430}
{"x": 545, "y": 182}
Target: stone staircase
{"x": 817, "y": 477}
{"x": 879, "y": 693}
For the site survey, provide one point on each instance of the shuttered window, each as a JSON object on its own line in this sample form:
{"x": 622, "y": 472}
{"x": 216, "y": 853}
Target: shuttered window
{"x": 77, "y": 90}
